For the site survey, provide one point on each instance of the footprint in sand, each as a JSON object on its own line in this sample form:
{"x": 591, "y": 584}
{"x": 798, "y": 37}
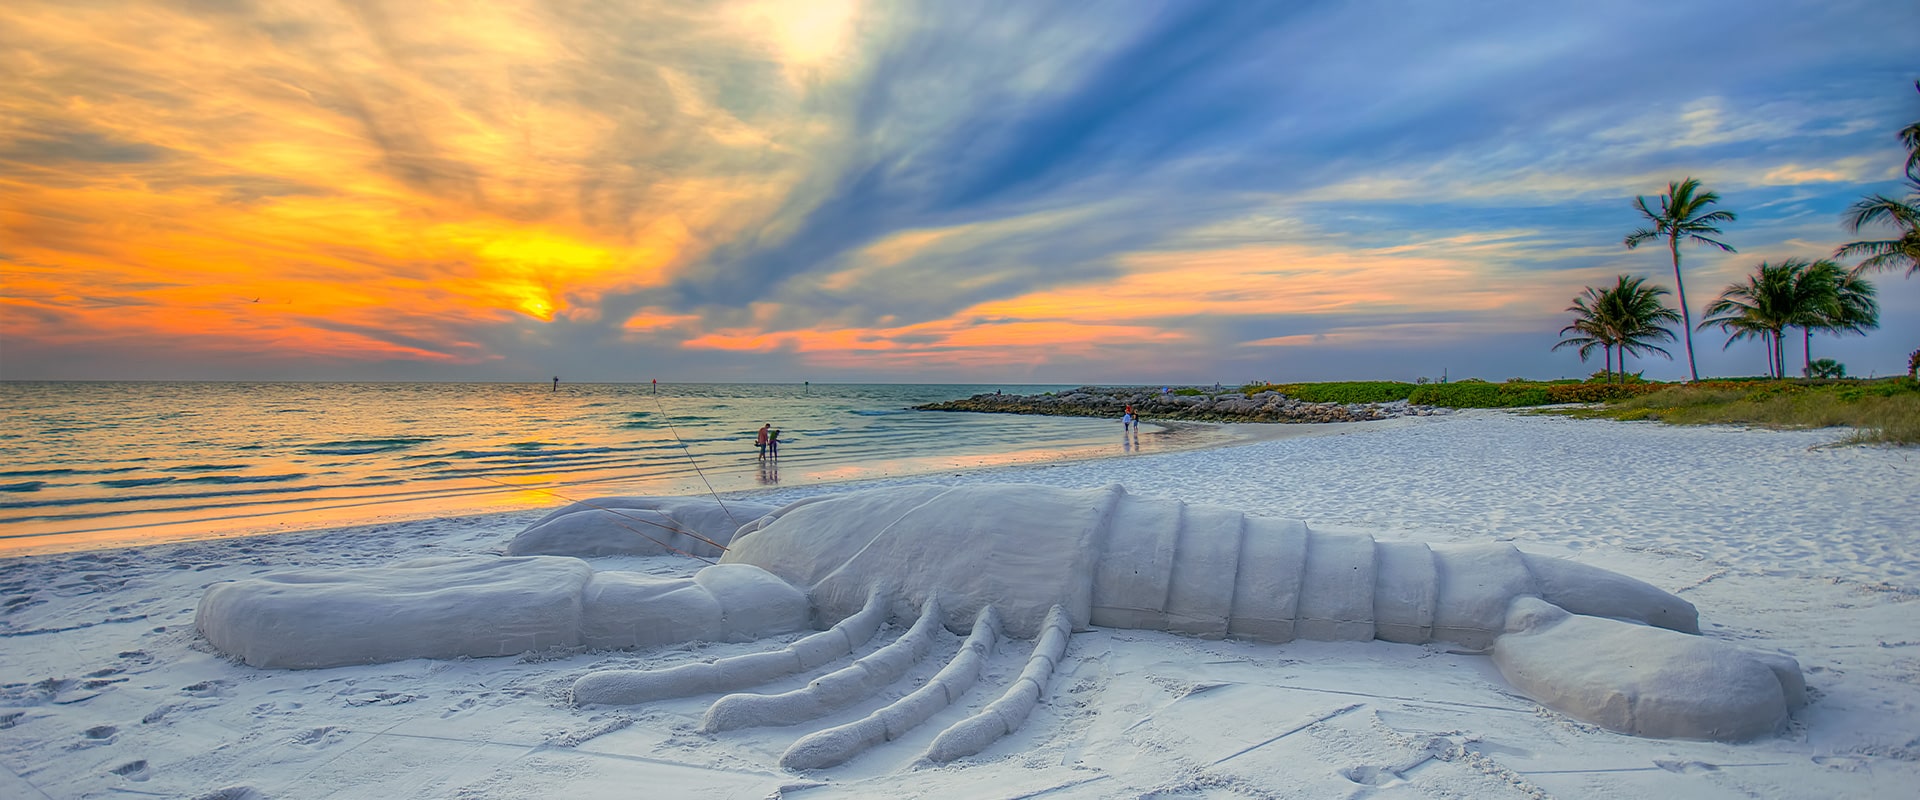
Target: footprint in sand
{"x": 134, "y": 770}
{"x": 205, "y": 689}
{"x": 1843, "y": 763}
{"x": 1368, "y": 775}
{"x": 104, "y": 581}
{"x": 319, "y": 737}
{"x": 95, "y": 736}
{"x": 62, "y": 691}
{"x": 462, "y": 706}
{"x": 231, "y": 793}
{"x": 10, "y": 719}
{"x": 102, "y": 677}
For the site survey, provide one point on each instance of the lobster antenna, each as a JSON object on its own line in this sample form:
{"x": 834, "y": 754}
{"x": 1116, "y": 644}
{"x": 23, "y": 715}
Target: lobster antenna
{"x": 618, "y": 513}
{"x": 690, "y": 459}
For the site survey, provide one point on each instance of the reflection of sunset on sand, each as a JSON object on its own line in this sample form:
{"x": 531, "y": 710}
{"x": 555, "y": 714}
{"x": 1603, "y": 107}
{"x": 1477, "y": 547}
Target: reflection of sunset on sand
{"x": 1152, "y": 441}
{"x": 115, "y": 463}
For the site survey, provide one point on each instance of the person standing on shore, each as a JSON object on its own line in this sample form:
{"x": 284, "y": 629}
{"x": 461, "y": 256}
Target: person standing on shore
{"x": 773, "y": 444}
{"x": 1127, "y": 420}
{"x": 761, "y": 440}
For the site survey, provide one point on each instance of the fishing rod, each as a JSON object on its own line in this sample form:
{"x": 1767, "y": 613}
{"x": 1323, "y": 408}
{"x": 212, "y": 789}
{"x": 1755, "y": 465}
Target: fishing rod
{"x": 690, "y": 459}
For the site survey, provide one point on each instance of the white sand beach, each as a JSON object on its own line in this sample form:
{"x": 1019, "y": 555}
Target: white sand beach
{"x": 1784, "y": 544}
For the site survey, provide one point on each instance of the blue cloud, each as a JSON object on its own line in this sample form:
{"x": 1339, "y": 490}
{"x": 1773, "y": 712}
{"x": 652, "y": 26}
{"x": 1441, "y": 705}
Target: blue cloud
{"x": 1186, "y": 102}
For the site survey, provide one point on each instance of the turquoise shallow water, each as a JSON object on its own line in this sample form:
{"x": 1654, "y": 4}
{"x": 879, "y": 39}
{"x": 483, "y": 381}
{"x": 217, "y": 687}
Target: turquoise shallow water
{"x": 85, "y": 464}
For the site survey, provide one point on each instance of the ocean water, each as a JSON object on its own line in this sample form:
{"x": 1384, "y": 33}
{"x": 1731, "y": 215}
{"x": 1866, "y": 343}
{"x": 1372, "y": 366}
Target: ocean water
{"x": 90, "y": 464}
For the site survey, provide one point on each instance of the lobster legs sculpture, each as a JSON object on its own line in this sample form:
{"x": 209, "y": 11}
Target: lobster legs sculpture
{"x": 1027, "y": 562}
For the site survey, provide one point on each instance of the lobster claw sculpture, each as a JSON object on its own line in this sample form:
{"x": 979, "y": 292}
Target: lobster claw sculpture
{"x": 1022, "y": 561}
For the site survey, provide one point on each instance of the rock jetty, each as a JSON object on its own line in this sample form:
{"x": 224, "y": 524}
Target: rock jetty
{"x": 1204, "y": 405}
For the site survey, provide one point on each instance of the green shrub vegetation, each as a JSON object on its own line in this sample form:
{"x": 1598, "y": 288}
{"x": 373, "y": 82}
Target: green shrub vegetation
{"x": 1517, "y": 394}
{"x": 1596, "y": 392}
{"x": 1468, "y": 393}
{"x": 1478, "y": 394}
{"x": 1337, "y": 392}
{"x": 1885, "y": 410}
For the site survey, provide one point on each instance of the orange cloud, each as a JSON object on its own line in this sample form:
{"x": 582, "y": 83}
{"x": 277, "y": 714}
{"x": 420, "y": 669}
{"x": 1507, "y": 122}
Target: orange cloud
{"x": 654, "y": 319}
{"x": 1267, "y": 280}
{"x": 1113, "y": 317}
{"x": 954, "y": 342}
{"x": 380, "y": 169}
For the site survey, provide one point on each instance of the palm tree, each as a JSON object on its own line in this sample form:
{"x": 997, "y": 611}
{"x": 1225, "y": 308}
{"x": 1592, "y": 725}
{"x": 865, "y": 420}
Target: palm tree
{"x": 1682, "y": 217}
{"x": 1592, "y": 331}
{"x": 1901, "y": 214}
{"x": 1639, "y": 317}
{"x": 1629, "y": 315}
{"x": 1773, "y": 299}
{"x": 1842, "y": 302}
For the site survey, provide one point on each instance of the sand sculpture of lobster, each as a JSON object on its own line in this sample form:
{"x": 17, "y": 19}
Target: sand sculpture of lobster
{"x": 1022, "y": 561}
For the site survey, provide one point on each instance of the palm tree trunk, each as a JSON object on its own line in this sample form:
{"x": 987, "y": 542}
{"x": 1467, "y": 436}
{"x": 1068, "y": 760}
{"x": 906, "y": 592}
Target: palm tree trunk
{"x": 1686, "y": 317}
{"x": 1807, "y": 368}
{"x": 1609, "y": 349}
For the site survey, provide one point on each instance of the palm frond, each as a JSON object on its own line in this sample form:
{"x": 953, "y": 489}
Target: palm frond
{"x": 1886, "y": 254}
{"x": 1878, "y": 208}
{"x": 1642, "y": 348}
{"x": 1704, "y": 240}
{"x": 1746, "y": 333}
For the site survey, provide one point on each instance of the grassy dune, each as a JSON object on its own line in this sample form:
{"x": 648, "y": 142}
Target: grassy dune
{"x": 1882, "y": 411}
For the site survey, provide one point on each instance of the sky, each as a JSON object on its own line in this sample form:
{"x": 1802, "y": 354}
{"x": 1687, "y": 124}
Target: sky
{"x": 979, "y": 192}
